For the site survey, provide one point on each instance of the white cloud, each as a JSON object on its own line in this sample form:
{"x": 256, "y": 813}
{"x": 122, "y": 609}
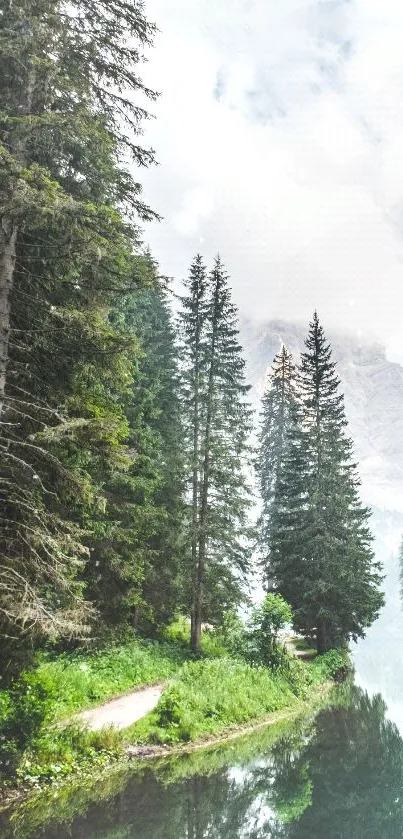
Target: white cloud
{"x": 280, "y": 140}
{"x": 197, "y": 204}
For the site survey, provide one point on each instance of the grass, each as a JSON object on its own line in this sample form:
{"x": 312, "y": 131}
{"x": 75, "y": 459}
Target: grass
{"x": 81, "y": 680}
{"x": 203, "y": 698}
{"x": 212, "y": 695}
{"x": 38, "y": 739}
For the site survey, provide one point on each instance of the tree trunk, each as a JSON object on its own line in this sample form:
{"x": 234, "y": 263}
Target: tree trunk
{"x": 196, "y": 618}
{"x": 198, "y": 588}
{"x": 322, "y": 637}
{"x": 203, "y": 518}
{"x": 8, "y": 238}
{"x": 195, "y": 624}
{"x": 195, "y": 629}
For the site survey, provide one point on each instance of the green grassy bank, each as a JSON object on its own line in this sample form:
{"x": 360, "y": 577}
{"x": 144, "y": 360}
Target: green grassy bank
{"x": 82, "y": 680}
{"x": 203, "y": 698}
{"x": 210, "y": 696}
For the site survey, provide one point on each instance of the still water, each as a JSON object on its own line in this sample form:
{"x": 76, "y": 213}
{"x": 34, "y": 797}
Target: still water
{"x": 338, "y": 775}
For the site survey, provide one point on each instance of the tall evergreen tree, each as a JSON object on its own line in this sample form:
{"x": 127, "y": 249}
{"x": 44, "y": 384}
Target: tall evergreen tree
{"x": 159, "y": 381}
{"x": 220, "y": 546}
{"x": 193, "y": 375}
{"x": 321, "y": 552}
{"x": 278, "y": 408}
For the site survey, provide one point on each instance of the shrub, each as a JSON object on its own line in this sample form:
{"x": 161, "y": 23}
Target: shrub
{"x": 260, "y": 637}
{"x": 233, "y": 634}
{"x": 178, "y": 631}
{"x": 335, "y": 664}
{"x": 24, "y": 709}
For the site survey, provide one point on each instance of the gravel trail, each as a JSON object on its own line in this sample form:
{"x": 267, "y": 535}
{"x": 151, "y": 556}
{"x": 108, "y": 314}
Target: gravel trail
{"x": 123, "y": 711}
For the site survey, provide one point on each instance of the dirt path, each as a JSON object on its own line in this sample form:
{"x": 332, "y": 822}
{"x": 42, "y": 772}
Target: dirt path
{"x": 288, "y": 642}
{"x": 123, "y": 711}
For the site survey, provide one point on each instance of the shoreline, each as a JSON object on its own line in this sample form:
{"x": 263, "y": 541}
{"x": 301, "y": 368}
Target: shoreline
{"x": 144, "y": 752}
{"x": 141, "y": 754}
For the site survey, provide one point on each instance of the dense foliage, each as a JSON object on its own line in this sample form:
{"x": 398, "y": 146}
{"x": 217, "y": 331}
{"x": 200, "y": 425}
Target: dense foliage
{"x": 68, "y": 243}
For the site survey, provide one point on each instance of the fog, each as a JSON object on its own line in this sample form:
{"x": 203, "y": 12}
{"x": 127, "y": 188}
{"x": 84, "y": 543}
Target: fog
{"x": 279, "y": 136}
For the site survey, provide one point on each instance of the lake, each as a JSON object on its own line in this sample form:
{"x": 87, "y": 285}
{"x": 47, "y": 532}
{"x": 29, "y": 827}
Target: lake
{"x": 335, "y": 775}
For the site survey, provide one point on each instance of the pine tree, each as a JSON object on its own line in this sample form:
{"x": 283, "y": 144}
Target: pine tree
{"x": 220, "y": 528}
{"x": 193, "y": 373}
{"x": 278, "y": 404}
{"x": 66, "y": 73}
{"x": 321, "y": 551}
{"x": 159, "y": 379}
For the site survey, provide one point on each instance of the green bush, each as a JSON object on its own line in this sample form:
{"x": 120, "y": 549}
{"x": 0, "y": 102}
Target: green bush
{"x": 24, "y": 709}
{"x": 256, "y": 641}
{"x": 335, "y": 664}
{"x": 232, "y": 633}
{"x": 262, "y": 630}
{"x": 178, "y": 631}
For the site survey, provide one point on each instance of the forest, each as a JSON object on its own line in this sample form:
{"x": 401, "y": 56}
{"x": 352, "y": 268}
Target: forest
{"x": 139, "y": 494}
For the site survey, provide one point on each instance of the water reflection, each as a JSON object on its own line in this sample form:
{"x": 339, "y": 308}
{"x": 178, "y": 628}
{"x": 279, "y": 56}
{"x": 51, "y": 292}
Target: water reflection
{"x": 339, "y": 776}
{"x": 355, "y": 765}
{"x": 378, "y": 658}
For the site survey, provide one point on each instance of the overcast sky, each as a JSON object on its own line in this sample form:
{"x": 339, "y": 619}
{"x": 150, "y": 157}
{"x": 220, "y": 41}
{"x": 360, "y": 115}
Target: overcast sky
{"x": 279, "y": 135}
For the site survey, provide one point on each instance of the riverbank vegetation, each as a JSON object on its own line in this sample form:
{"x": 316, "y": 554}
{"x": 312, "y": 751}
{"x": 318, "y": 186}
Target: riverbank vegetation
{"x": 349, "y": 742}
{"x": 209, "y": 697}
{"x": 61, "y": 804}
{"x": 238, "y": 678}
{"x": 126, "y": 483}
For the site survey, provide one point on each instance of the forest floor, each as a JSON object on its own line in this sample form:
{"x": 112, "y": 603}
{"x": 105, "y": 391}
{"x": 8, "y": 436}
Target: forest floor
{"x": 122, "y": 711}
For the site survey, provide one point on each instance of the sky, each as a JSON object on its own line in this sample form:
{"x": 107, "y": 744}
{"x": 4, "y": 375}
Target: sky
{"x": 279, "y": 137}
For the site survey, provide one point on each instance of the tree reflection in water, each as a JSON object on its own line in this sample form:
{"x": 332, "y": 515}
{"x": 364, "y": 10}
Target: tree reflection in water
{"x": 341, "y": 777}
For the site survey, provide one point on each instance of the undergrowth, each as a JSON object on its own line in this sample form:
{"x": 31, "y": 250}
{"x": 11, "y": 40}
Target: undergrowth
{"x": 80, "y": 680}
{"x": 211, "y": 695}
{"x": 37, "y": 744}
